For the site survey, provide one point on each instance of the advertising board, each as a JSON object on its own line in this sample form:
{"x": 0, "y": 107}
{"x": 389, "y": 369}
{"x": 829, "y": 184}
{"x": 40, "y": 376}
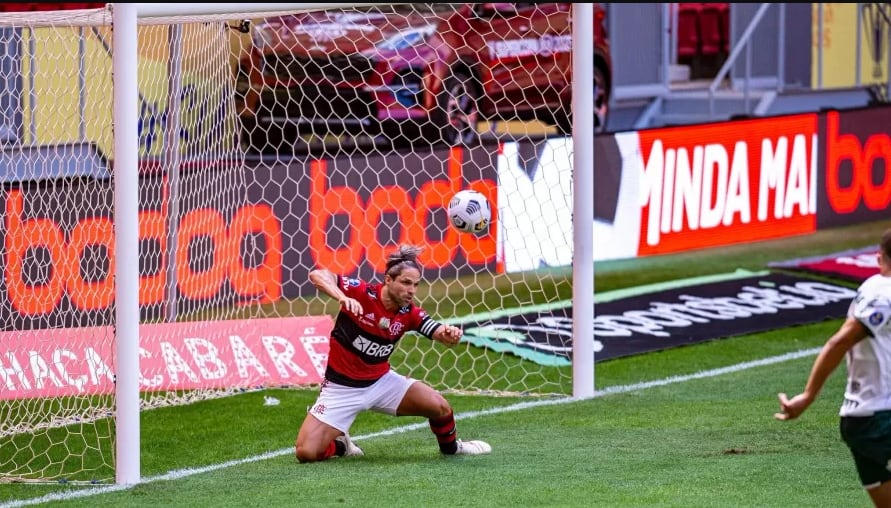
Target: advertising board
{"x": 656, "y": 191}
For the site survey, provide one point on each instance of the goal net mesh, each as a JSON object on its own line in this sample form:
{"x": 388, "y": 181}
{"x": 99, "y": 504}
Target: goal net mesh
{"x": 271, "y": 144}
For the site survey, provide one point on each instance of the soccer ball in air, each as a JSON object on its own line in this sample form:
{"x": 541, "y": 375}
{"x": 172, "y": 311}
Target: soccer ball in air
{"x": 469, "y": 211}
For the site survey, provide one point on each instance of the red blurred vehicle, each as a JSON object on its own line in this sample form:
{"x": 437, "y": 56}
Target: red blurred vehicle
{"x": 430, "y": 71}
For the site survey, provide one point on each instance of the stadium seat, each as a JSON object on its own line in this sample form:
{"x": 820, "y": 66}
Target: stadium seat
{"x": 18, "y": 7}
{"x": 712, "y": 37}
{"x": 80, "y": 5}
{"x": 688, "y": 30}
{"x": 724, "y": 12}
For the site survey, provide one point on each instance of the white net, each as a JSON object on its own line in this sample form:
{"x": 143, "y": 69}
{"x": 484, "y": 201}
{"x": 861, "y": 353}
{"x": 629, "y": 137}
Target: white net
{"x": 57, "y": 362}
{"x": 270, "y": 146}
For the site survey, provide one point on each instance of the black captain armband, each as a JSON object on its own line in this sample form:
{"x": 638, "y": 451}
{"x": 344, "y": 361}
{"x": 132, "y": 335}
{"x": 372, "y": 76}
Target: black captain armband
{"x": 429, "y": 326}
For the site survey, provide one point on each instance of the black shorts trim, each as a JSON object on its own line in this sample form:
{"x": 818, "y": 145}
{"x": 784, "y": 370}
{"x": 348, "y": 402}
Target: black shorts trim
{"x": 341, "y": 379}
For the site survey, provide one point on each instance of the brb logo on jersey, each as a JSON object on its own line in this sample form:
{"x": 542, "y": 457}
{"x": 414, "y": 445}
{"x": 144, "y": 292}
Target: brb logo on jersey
{"x": 371, "y": 348}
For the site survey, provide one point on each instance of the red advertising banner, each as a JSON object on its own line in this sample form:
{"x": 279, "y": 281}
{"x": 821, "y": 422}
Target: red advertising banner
{"x": 59, "y": 251}
{"x": 405, "y": 203}
{"x": 855, "y": 186}
{"x": 855, "y": 265}
{"x": 247, "y": 353}
{"x": 238, "y": 233}
{"x": 720, "y": 184}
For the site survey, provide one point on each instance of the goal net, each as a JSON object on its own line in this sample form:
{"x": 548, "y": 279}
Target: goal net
{"x": 271, "y": 144}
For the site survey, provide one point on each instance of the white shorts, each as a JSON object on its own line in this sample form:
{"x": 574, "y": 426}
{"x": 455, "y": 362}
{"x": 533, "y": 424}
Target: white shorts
{"x": 338, "y": 405}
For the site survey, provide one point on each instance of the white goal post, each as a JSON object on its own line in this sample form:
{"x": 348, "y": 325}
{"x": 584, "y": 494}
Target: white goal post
{"x": 583, "y": 204}
{"x": 195, "y": 277}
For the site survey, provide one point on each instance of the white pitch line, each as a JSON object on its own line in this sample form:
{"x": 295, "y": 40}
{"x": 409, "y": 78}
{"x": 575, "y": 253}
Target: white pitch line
{"x": 184, "y": 473}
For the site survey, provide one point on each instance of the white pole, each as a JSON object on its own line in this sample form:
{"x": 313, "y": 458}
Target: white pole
{"x": 781, "y": 50}
{"x": 887, "y": 51}
{"x": 81, "y": 85}
{"x": 820, "y": 46}
{"x": 666, "y": 45}
{"x": 858, "y": 45}
{"x": 126, "y": 224}
{"x": 583, "y": 200}
{"x": 172, "y": 161}
{"x": 32, "y": 90}
{"x": 674, "y": 32}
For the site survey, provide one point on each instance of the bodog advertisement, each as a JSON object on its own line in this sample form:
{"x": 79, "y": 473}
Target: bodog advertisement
{"x": 59, "y": 252}
{"x": 244, "y": 234}
{"x": 349, "y": 213}
{"x": 855, "y": 185}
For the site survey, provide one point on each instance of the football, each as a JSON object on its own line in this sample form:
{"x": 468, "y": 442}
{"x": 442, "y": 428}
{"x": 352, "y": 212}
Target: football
{"x": 469, "y": 211}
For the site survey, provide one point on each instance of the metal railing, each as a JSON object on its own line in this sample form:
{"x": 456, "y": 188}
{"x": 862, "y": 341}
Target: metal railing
{"x": 744, "y": 44}
{"x": 875, "y": 16}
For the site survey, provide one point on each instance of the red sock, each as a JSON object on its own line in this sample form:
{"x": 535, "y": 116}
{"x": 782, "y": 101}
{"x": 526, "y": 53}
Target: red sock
{"x": 330, "y": 451}
{"x": 446, "y": 433}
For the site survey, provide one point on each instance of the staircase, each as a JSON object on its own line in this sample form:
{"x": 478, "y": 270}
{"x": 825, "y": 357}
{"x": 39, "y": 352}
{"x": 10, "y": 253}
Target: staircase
{"x": 713, "y": 100}
{"x": 692, "y": 104}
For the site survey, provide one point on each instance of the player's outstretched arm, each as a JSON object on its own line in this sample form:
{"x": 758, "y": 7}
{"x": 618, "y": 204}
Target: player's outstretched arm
{"x": 851, "y": 332}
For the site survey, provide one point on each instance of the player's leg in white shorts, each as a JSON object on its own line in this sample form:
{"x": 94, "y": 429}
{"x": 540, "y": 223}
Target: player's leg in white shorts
{"x": 338, "y": 405}
{"x": 387, "y": 393}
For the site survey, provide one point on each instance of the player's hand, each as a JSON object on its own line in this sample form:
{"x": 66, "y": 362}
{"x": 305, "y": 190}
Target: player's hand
{"x": 792, "y": 408}
{"x": 351, "y": 305}
{"x": 450, "y": 335}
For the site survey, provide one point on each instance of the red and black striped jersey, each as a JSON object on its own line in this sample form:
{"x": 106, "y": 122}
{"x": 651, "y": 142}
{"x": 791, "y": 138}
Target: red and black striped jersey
{"x": 360, "y": 346}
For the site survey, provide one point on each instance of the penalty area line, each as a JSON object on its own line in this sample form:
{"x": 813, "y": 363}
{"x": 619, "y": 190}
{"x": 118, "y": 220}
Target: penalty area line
{"x": 187, "y": 472}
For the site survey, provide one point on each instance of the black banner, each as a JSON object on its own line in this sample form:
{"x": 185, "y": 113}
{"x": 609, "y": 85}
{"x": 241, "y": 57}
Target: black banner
{"x": 669, "y": 318}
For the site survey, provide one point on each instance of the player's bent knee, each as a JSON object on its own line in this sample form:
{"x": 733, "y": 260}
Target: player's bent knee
{"x": 309, "y": 454}
{"x": 443, "y": 408}
{"x": 422, "y": 400}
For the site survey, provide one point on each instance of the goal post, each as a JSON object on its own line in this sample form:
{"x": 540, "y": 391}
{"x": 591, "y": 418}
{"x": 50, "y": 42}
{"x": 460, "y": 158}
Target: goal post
{"x": 126, "y": 220}
{"x": 189, "y": 164}
{"x": 583, "y": 205}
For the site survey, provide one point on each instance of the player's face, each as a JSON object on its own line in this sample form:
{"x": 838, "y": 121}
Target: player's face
{"x": 403, "y": 287}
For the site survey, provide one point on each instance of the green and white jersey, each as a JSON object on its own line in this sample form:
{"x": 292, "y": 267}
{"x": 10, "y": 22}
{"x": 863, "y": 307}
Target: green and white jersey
{"x": 869, "y": 361}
